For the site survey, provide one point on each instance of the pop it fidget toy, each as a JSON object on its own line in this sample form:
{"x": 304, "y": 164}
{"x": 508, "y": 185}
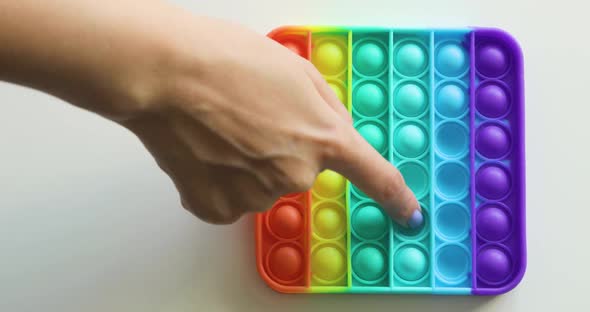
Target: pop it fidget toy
{"x": 444, "y": 106}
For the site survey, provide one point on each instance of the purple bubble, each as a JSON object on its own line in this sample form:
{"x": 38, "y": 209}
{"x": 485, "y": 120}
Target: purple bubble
{"x": 492, "y": 182}
{"x": 491, "y": 60}
{"x": 493, "y": 223}
{"x": 491, "y": 100}
{"x": 493, "y": 265}
{"x": 492, "y": 141}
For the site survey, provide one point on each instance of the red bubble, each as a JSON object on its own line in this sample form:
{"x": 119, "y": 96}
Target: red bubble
{"x": 286, "y": 221}
{"x": 285, "y": 263}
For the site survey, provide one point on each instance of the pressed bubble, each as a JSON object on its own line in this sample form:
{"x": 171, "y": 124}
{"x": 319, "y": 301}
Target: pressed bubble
{"x": 452, "y": 263}
{"x": 452, "y": 139}
{"x": 452, "y": 220}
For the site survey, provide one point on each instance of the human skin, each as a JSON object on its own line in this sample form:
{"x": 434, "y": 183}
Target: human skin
{"x": 235, "y": 119}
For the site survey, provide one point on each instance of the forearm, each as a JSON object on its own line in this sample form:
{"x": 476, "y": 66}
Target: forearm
{"x": 82, "y": 51}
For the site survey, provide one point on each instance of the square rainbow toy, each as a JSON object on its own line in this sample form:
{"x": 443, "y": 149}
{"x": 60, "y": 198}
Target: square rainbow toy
{"x": 447, "y": 108}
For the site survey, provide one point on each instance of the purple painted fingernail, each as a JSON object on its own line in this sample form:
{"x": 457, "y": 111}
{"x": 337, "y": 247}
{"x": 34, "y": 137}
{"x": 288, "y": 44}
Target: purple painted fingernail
{"x": 416, "y": 219}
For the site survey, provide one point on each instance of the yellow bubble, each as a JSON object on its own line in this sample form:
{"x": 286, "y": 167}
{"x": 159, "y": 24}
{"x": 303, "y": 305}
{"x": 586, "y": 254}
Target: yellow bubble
{"x": 329, "y": 184}
{"x": 329, "y": 58}
{"x": 328, "y": 263}
{"x": 329, "y": 220}
{"x": 339, "y": 92}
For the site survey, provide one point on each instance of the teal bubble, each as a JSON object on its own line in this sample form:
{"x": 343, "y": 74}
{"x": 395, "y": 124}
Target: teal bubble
{"x": 451, "y": 100}
{"x": 410, "y": 100}
{"x": 369, "y": 99}
{"x": 374, "y": 135}
{"x": 451, "y": 60}
{"x": 369, "y": 222}
{"x": 452, "y": 139}
{"x": 410, "y": 140}
{"x": 416, "y": 177}
{"x": 410, "y": 59}
{"x": 410, "y": 263}
{"x": 368, "y": 262}
{"x": 369, "y": 58}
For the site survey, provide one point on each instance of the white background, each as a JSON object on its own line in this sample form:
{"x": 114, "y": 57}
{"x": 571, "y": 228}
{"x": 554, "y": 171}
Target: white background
{"x": 88, "y": 222}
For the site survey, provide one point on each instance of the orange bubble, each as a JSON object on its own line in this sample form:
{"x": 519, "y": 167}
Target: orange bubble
{"x": 293, "y": 46}
{"x": 286, "y": 263}
{"x": 286, "y": 221}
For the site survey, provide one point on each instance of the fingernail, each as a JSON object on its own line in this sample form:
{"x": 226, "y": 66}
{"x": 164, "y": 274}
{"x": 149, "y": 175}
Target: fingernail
{"x": 416, "y": 219}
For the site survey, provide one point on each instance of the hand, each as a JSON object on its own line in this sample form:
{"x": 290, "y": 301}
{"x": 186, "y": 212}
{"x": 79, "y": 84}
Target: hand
{"x": 235, "y": 119}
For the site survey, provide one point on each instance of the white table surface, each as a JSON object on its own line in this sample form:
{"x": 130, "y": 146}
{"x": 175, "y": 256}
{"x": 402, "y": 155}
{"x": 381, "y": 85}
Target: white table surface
{"x": 88, "y": 222}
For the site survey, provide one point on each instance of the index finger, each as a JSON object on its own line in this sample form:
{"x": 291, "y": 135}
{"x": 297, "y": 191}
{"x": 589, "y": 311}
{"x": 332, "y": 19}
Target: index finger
{"x": 357, "y": 160}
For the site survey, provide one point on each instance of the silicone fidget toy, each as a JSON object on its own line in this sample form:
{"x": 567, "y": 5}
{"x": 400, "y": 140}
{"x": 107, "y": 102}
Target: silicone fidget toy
{"x": 447, "y": 108}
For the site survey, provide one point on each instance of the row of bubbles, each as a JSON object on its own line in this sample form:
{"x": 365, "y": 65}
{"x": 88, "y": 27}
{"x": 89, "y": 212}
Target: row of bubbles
{"x": 282, "y": 243}
{"x": 370, "y": 227}
{"x": 451, "y": 202}
{"x": 493, "y": 158}
{"x": 329, "y": 265}
{"x": 411, "y": 150}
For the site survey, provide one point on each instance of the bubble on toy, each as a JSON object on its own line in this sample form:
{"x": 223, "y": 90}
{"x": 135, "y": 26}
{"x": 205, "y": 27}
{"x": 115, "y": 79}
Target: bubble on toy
{"x": 286, "y": 262}
{"x": 410, "y": 59}
{"x": 451, "y": 100}
{"x": 491, "y": 60}
{"x": 329, "y": 57}
{"x": 374, "y": 135}
{"x": 410, "y": 140}
{"x": 339, "y": 91}
{"x": 493, "y": 223}
{"x": 493, "y": 265}
{"x": 369, "y": 222}
{"x": 329, "y": 184}
{"x": 329, "y": 220}
{"x": 370, "y": 99}
{"x": 368, "y": 263}
{"x": 416, "y": 177}
{"x": 451, "y": 60}
{"x": 492, "y": 100}
{"x": 452, "y": 220}
{"x": 286, "y": 221}
{"x": 452, "y": 139}
{"x": 369, "y": 58}
{"x": 452, "y": 263}
{"x": 410, "y": 263}
{"x": 295, "y": 47}
{"x": 452, "y": 180}
{"x": 410, "y": 100}
{"x": 492, "y": 182}
{"x": 328, "y": 263}
{"x": 492, "y": 141}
